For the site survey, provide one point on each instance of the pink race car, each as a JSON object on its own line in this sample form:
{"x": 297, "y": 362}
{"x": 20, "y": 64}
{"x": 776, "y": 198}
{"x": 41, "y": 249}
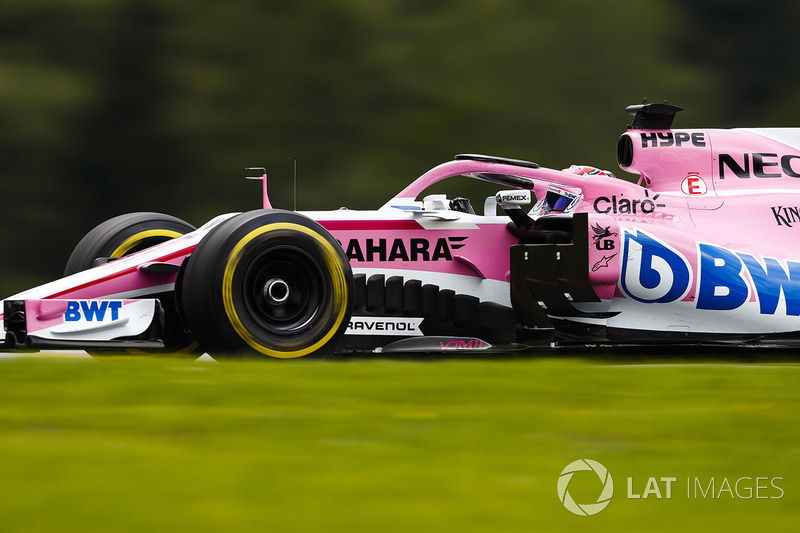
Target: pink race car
{"x": 699, "y": 251}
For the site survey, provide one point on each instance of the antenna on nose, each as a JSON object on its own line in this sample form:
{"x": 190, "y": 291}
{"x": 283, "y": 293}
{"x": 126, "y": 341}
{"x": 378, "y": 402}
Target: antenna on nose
{"x": 294, "y": 185}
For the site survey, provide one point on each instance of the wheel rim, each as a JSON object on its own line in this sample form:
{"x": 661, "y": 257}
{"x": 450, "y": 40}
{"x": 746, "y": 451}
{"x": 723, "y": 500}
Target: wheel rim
{"x": 276, "y": 291}
{"x": 284, "y": 290}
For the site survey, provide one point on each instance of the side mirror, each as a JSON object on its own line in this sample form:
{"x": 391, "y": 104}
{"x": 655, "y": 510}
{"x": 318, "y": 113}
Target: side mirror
{"x": 511, "y": 202}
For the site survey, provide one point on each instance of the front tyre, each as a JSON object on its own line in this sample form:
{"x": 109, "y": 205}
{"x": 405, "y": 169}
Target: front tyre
{"x": 124, "y": 235}
{"x": 127, "y": 234}
{"x": 269, "y": 283}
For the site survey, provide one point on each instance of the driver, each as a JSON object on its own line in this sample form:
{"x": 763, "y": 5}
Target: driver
{"x": 585, "y": 170}
{"x": 562, "y": 199}
{"x": 559, "y": 199}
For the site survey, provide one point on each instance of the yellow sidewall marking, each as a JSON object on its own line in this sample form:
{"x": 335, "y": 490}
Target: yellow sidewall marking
{"x": 132, "y": 241}
{"x": 334, "y": 268}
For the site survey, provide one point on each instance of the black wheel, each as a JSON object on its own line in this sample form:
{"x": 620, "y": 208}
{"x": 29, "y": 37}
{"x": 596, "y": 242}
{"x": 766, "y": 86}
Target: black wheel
{"x": 267, "y": 282}
{"x": 125, "y": 235}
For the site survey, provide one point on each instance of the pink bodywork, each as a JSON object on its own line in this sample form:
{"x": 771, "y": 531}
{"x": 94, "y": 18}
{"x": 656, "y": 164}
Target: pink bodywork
{"x": 700, "y": 186}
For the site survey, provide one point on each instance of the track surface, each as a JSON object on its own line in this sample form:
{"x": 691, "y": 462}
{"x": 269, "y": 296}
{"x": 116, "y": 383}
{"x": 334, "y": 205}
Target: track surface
{"x": 126, "y": 444}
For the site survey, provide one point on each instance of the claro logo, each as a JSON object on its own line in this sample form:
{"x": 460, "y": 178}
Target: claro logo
{"x": 627, "y": 206}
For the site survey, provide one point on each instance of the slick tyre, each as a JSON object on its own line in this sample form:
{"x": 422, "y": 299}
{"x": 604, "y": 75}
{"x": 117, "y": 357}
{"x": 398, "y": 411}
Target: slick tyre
{"x": 125, "y": 235}
{"x": 267, "y": 283}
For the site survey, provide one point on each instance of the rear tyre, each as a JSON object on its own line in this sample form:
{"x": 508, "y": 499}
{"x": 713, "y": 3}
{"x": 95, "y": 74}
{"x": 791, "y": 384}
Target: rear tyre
{"x": 267, "y": 283}
{"x": 127, "y": 234}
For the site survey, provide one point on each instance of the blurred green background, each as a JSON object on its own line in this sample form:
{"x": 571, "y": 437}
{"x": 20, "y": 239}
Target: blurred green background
{"x": 112, "y": 106}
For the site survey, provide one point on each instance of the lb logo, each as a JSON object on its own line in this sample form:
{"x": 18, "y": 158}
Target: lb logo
{"x": 585, "y": 509}
{"x": 652, "y": 271}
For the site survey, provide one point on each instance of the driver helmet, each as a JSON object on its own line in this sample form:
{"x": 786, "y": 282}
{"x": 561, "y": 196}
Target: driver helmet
{"x": 585, "y": 170}
{"x": 559, "y": 199}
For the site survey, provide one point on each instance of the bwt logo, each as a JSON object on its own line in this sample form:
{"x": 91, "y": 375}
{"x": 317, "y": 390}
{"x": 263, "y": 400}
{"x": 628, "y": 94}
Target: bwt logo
{"x": 91, "y": 310}
{"x": 653, "y": 272}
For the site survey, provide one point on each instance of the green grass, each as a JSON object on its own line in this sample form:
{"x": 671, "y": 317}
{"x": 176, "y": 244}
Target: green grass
{"x": 165, "y": 445}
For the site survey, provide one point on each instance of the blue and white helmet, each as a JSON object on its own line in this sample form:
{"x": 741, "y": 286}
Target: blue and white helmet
{"x": 559, "y": 199}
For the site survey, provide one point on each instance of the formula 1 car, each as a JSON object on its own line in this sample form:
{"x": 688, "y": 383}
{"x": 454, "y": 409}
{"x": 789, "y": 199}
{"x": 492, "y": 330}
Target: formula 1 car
{"x": 702, "y": 250}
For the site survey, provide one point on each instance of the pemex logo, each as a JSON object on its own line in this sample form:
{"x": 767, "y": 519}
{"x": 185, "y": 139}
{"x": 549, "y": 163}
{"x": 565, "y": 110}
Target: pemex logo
{"x": 585, "y": 509}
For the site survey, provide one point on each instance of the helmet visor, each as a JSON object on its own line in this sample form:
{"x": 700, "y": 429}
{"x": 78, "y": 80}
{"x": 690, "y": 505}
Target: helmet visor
{"x": 557, "y": 202}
